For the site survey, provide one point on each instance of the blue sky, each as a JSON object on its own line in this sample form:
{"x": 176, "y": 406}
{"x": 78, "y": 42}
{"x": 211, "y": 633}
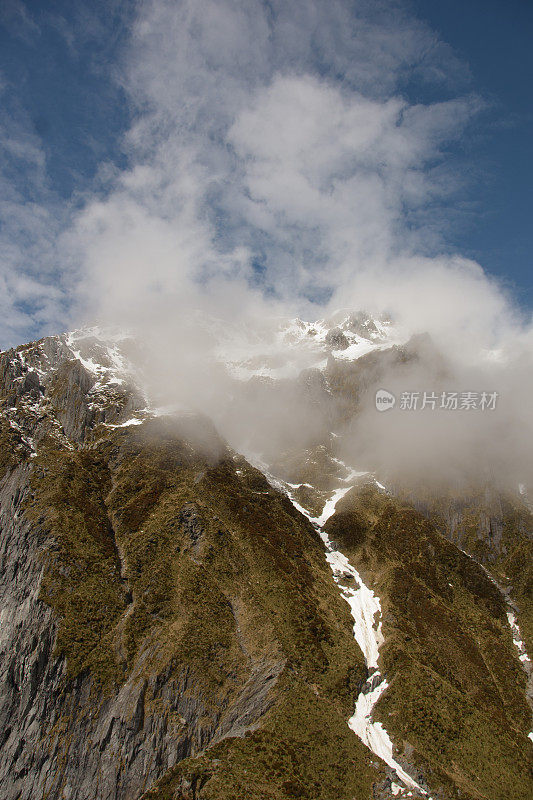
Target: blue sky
{"x": 98, "y": 96}
{"x": 494, "y": 38}
{"x": 55, "y": 63}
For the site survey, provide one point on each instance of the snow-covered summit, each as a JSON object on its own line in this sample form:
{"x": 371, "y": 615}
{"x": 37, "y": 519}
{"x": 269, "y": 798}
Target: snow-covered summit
{"x": 293, "y": 345}
{"x": 269, "y": 348}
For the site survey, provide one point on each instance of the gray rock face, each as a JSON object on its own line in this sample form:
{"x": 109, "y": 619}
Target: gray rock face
{"x": 70, "y": 399}
{"x": 362, "y": 324}
{"x": 47, "y": 378}
{"x": 336, "y": 340}
{"x": 192, "y": 523}
{"x": 60, "y": 740}
{"x": 29, "y": 677}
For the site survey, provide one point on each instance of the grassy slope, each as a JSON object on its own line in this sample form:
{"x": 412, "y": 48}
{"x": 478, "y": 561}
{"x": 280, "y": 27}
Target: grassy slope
{"x": 457, "y": 692}
{"x": 508, "y": 555}
{"x": 304, "y": 749}
{"x": 159, "y": 541}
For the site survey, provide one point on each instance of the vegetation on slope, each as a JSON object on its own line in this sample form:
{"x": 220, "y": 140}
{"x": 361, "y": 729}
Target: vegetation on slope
{"x": 166, "y": 544}
{"x": 456, "y": 702}
{"x": 497, "y": 530}
{"x": 303, "y": 750}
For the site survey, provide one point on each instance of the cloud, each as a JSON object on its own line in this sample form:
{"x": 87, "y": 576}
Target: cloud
{"x": 332, "y": 175}
{"x": 38, "y": 276}
{"x": 272, "y": 151}
{"x": 270, "y": 141}
{"x": 270, "y": 144}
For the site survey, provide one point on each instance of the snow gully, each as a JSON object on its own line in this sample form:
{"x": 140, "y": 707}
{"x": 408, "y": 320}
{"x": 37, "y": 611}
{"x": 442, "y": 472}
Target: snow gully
{"x": 365, "y": 608}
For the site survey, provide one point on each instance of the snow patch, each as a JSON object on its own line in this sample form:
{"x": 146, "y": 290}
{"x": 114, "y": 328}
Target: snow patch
{"x": 373, "y": 734}
{"x": 132, "y": 421}
{"x": 517, "y": 641}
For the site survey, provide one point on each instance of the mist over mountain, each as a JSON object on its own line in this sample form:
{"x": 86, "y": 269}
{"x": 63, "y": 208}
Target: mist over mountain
{"x": 272, "y": 384}
{"x": 277, "y": 169}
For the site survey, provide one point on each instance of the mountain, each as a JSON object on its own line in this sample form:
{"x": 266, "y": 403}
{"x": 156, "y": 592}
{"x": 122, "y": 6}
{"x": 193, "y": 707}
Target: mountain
{"x": 186, "y": 618}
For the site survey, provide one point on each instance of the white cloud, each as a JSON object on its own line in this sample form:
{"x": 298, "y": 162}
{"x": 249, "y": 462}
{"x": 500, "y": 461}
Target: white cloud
{"x": 273, "y": 151}
{"x": 272, "y": 134}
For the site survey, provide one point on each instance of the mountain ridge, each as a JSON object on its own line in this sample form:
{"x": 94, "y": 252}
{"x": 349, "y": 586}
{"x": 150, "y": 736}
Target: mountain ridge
{"x": 127, "y": 531}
